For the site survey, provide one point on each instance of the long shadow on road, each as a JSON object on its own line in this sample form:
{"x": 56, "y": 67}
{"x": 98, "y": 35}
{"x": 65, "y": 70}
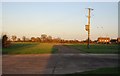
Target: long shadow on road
{"x": 65, "y": 61}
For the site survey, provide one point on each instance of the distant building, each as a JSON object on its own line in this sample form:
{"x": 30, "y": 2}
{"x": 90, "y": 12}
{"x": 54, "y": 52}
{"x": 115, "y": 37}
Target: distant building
{"x": 103, "y": 40}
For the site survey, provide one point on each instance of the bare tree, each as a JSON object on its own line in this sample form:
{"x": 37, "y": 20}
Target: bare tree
{"x": 19, "y": 40}
{"x": 14, "y": 38}
{"x": 24, "y": 38}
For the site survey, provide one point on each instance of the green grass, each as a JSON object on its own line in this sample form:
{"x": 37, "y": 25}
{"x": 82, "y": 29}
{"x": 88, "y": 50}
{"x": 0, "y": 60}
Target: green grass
{"x": 110, "y": 70}
{"x": 97, "y": 48}
{"x": 30, "y": 48}
{"x": 42, "y": 48}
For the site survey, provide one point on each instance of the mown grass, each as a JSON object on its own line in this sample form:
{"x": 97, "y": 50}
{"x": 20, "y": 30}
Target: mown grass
{"x": 107, "y": 70}
{"x": 110, "y": 70}
{"x": 97, "y": 48}
{"x": 42, "y": 48}
{"x": 29, "y": 48}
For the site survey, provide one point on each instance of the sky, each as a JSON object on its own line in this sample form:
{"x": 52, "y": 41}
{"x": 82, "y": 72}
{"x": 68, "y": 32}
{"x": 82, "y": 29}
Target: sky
{"x": 66, "y": 20}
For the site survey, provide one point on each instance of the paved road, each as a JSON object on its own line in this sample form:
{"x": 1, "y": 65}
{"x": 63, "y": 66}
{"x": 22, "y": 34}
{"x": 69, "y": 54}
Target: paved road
{"x": 56, "y": 63}
{"x": 63, "y": 62}
{"x": 62, "y": 49}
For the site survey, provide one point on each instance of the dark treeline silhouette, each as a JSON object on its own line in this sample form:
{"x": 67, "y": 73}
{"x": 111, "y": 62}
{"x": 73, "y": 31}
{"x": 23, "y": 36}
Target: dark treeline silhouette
{"x": 5, "y": 41}
{"x": 43, "y": 38}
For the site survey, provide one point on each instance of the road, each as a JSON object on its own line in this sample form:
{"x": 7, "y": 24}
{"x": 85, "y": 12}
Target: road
{"x": 66, "y": 61}
{"x": 62, "y": 49}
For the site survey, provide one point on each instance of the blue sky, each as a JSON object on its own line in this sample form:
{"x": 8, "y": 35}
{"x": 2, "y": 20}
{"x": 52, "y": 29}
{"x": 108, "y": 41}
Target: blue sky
{"x": 60, "y": 19}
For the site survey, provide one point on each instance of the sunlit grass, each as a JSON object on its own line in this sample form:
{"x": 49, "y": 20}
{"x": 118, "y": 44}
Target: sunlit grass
{"x": 96, "y": 48}
{"x": 45, "y": 48}
{"x": 29, "y": 48}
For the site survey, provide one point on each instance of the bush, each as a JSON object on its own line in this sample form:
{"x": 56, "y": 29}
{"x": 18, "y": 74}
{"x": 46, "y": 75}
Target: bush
{"x": 5, "y": 42}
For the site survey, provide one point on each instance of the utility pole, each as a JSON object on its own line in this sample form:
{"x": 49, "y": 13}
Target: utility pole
{"x": 88, "y": 27}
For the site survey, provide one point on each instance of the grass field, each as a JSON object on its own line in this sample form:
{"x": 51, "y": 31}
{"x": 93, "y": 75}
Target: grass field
{"x": 97, "y": 48}
{"x": 107, "y": 70}
{"x": 45, "y": 48}
{"x": 29, "y": 48}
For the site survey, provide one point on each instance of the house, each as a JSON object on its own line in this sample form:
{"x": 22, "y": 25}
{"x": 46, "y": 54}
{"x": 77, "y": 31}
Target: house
{"x": 103, "y": 40}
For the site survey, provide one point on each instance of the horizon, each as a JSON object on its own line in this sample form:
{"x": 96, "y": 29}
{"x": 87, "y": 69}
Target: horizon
{"x": 66, "y": 20}
{"x": 29, "y": 38}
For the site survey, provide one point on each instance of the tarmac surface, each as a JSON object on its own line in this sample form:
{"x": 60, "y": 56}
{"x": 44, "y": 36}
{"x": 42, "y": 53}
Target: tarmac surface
{"x": 64, "y": 62}
{"x": 56, "y": 63}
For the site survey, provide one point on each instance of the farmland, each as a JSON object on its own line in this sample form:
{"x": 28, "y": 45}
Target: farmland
{"x": 52, "y": 48}
{"x": 96, "y": 48}
{"x": 29, "y": 48}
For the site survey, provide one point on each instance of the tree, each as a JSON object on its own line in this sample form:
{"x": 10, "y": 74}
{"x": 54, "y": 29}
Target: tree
{"x": 24, "y": 38}
{"x": 14, "y": 38}
{"x": 38, "y": 39}
{"x": 4, "y": 40}
{"x": 5, "y": 43}
{"x": 27, "y": 39}
{"x": 19, "y": 40}
{"x": 33, "y": 39}
{"x": 44, "y": 37}
{"x": 57, "y": 40}
{"x": 49, "y": 38}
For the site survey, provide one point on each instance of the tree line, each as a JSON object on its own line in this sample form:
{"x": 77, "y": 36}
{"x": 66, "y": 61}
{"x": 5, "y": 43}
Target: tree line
{"x": 6, "y": 41}
{"x": 43, "y": 38}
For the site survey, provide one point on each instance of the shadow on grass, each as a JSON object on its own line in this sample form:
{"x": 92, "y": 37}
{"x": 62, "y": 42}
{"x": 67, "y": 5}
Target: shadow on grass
{"x": 54, "y": 49}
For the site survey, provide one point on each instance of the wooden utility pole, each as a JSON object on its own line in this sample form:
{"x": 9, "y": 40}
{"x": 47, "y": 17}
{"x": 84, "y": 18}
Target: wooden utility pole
{"x": 88, "y": 26}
